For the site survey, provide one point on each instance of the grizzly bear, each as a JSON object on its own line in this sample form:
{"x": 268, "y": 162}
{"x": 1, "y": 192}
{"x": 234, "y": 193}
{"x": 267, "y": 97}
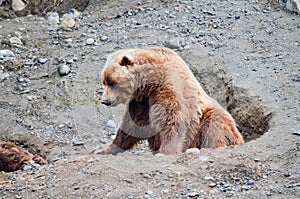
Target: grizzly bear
{"x": 13, "y": 157}
{"x": 164, "y": 104}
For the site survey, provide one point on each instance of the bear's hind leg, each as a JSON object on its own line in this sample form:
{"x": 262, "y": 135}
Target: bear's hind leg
{"x": 217, "y": 129}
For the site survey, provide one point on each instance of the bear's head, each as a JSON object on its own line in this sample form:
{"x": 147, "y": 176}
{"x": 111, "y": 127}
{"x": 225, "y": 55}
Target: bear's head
{"x": 117, "y": 79}
{"x": 125, "y": 71}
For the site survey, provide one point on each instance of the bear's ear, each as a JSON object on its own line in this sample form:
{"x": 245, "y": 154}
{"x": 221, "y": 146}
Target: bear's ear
{"x": 126, "y": 61}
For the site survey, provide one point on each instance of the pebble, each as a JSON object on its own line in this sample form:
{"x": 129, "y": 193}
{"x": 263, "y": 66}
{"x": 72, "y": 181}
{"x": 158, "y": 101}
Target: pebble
{"x": 175, "y": 43}
{"x": 3, "y": 76}
{"x": 42, "y": 60}
{"x": 63, "y": 69}
{"x": 53, "y": 17}
{"x": 212, "y": 184}
{"x": 193, "y": 194}
{"x": 296, "y": 133}
{"x": 68, "y": 23}
{"x": 15, "y": 41}
{"x": 90, "y": 41}
{"x": 208, "y": 178}
{"x": 17, "y": 5}
{"x": 28, "y": 63}
{"x": 104, "y": 38}
{"x": 6, "y": 53}
{"x": 244, "y": 187}
{"x": 269, "y": 194}
{"x": 193, "y": 151}
{"x": 78, "y": 143}
{"x": 111, "y": 124}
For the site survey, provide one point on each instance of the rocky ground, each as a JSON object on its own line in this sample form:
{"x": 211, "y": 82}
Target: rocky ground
{"x": 244, "y": 53}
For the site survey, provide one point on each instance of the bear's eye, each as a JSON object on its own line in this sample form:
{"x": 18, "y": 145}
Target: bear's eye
{"x": 110, "y": 83}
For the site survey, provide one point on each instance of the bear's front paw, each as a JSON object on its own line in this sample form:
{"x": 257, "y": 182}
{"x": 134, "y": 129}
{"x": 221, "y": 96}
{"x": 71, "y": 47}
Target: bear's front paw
{"x": 111, "y": 149}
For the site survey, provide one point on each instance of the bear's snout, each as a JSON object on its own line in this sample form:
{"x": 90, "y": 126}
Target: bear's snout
{"x": 106, "y": 102}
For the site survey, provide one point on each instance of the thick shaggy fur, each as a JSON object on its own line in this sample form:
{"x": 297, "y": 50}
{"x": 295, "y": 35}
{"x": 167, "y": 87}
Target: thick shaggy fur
{"x": 13, "y": 157}
{"x": 165, "y": 104}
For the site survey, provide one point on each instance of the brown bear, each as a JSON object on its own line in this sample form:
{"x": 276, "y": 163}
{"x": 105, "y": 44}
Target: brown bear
{"x": 13, "y": 157}
{"x": 164, "y": 104}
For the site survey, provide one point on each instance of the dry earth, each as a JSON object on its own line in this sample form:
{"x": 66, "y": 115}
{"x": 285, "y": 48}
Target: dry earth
{"x": 244, "y": 53}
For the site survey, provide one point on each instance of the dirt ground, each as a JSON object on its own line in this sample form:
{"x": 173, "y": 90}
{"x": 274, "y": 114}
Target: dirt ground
{"x": 244, "y": 53}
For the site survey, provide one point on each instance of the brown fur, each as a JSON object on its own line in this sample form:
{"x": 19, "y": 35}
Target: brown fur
{"x": 13, "y": 157}
{"x": 165, "y": 104}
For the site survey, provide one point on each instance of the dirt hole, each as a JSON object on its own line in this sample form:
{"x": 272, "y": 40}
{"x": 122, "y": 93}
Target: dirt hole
{"x": 31, "y": 143}
{"x": 247, "y": 110}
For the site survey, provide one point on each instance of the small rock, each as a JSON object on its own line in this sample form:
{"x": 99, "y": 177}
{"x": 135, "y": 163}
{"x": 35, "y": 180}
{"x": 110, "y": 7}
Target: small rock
{"x": 90, "y": 41}
{"x": 208, "y": 178}
{"x": 42, "y": 60}
{"x": 176, "y": 43}
{"x": 147, "y": 176}
{"x": 28, "y": 63}
{"x": 27, "y": 167}
{"x": 149, "y": 192}
{"x": 296, "y": 133}
{"x": 15, "y": 41}
{"x": 104, "y": 38}
{"x": 3, "y": 76}
{"x": 166, "y": 191}
{"x": 63, "y": 69}
{"x": 237, "y": 17}
{"x": 69, "y": 124}
{"x": 18, "y": 5}
{"x": 6, "y": 53}
{"x": 68, "y": 23}
{"x": 111, "y": 124}
{"x": 72, "y": 13}
{"x": 269, "y": 194}
{"x": 193, "y": 194}
{"x": 193, "y": 151}
{"x": 78, "y": 143}
{"x": 250, "y": 182}
{"x": 244, "y": 187}
{"x": 30, "y": 98}
{"x": 53, "y": 17}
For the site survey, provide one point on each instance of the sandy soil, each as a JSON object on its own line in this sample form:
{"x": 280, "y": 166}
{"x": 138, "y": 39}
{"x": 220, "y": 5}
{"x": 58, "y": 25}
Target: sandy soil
{"x": 244, "y": 53}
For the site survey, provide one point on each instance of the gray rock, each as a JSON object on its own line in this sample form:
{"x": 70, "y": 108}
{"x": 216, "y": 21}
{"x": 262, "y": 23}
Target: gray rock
{"x": 6, "y": 53}
{"x": 111, "y": 124}
{"x": 3, "y": 76}
{"x": 18, "y": 5}
{"x": 28, "y": 63}
{"x": 175, "y": 43}
{"x": 293, "y": 6}
{"x": 193, "y": 151}
{"x": 296, "y": 133}
{"x": 63, "y": 69}
{"x": 208, "y": 178}
{"x": 90, "y": 41}
{"x": 42, "y": 60}
{"x": 15, "y": 41}
{"x": 78, "y": 143}
{"x": 53, "y": 17}
{"x": 193, "y": 194}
